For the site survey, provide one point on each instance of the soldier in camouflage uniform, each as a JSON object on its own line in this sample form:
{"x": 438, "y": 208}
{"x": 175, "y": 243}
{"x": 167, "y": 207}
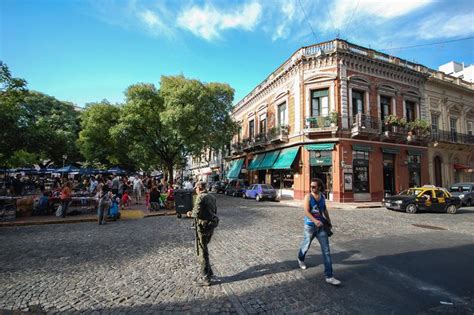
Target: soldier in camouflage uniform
{"x": 204, "y": 214}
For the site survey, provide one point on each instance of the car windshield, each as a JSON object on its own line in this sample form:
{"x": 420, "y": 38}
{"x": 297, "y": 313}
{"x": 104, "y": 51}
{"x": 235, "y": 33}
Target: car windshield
{"x": 410, "y": 192}
{"x": 267, "y": 187}
{"x": 459, "y": 188}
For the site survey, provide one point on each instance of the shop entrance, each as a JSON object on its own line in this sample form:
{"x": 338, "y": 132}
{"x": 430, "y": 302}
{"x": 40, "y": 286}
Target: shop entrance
{"x": 388, "y": 174}
{"x": 261, "y": 176}
{"x": 324, "y": 173}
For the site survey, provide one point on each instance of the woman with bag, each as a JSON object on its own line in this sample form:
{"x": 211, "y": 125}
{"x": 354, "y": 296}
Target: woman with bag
{"x": 65, "y": 197}
{"x": 317, "y": 224}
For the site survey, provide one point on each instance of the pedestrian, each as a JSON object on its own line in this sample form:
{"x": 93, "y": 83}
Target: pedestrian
{"x": 115, "y": 185}
{"x": 125, "y": 200}
{"x": 105, "y": 202}
{"x": 137, "y": 189}
{"x": 204, "y": 213}
{"x": 317, "y": 224}
{"x": 65, "y": 197}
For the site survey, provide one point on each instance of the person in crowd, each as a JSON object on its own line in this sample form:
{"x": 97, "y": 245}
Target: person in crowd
{"x": 115, "y": 184}
{"x": 154, "y": 199}
{"x": 126, "y": 200}
{"x": 316, "y": 223}
{"x": 43, "y": 204}
{"x": 65, "y": 198}
{"x": 93, "y": 185}
{"x": 137, "y": 189}
{"x": 205, "y": 215}
{"x": 121, "y": 188}
{"x": 105, "y": 201}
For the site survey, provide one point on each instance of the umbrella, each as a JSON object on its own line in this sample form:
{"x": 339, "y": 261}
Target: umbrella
{"x": 67, "y": 169}
{"x": 87, "y": 171}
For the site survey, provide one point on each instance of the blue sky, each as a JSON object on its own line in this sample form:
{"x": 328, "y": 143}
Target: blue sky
{"x": 85, "y": 51}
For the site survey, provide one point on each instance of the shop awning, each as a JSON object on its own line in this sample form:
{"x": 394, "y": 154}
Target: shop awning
{"x": 269, "y": 160}
{"x": 320, "y": 147}
{"x": 462, "y": 167}
{"x": 234, "y": 169}
{"x": 391, "y": 150}
{"x": 256, "y": 162}
{"x": 415, "y": 152}
{"x": 286, "y": 158}
{"x": 365, "y": 148}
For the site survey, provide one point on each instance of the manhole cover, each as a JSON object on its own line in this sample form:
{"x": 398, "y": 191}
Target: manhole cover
{"x": 431, "y": 227}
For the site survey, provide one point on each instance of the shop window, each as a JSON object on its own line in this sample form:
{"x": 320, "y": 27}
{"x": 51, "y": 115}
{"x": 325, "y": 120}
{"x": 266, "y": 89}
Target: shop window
{"x": 361, "y": 171}
{"x": 320, "y": 103}
{"x": 282, "y": 179}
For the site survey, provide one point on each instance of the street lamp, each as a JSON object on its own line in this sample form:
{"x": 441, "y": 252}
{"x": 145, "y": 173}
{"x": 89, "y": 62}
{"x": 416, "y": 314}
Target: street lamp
{"x": 64, "y": 159}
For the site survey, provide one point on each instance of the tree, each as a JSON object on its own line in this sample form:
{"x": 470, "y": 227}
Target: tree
{"x": 96, "y": 143}
{"x": 184, "y": 117}
{"x": 12, "y": 92}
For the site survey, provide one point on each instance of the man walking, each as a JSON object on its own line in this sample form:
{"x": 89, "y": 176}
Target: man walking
{"x": 137, "y": 189}
{"x": 204, "y": 213}
{"x": 315, "y": 220}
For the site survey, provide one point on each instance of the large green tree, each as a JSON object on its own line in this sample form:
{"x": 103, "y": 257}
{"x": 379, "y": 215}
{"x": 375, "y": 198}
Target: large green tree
{"x": 183, "y": 117}
{"x": 96, "y": 143}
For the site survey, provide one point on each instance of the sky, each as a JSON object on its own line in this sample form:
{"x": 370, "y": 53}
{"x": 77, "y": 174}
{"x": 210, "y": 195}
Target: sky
{"x": 89, "y": 50}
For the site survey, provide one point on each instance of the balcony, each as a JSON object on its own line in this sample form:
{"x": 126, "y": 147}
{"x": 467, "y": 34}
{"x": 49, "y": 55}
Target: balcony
{"x": 320, "y": 125}
{"x": 278, "y": 134}
{"x": 452, "y": 137}
{"x": 365, "y": 126}
{"x": 236, "y": 148}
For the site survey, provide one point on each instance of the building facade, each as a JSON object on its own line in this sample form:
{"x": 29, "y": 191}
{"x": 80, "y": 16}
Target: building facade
{"x": 208, "y": 167}
{"x": 354, "y": 117}
{"x": 450, "y": 103}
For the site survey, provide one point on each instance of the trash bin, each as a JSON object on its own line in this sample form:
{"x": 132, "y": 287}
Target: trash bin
{"x": 183, "y": 201}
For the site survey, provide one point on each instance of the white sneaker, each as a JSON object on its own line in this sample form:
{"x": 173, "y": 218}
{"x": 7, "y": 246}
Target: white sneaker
{"x": 301, "y": 264}
{"x": 333, "y": 281}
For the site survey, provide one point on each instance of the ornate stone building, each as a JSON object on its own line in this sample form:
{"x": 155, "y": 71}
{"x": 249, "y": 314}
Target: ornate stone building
{"x": 322, "y": 113}
{"x": 451, "y": 115}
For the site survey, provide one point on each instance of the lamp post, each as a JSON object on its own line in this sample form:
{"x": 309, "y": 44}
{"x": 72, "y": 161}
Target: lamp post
{"x": 64, "y": 160}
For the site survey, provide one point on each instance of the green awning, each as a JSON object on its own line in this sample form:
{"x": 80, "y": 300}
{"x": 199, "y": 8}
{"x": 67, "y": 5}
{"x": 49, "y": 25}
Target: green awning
{"x": 415, "y": 152}
{"x": 365, "y": 148}
{"x": 268, "y": 161}
{"x": 256, "y": 162}
{"x": 320, "y": 147}
{"x": 391, "y": 150}
{"x": 286, "y": 158}
{"x": 234, "y": 169}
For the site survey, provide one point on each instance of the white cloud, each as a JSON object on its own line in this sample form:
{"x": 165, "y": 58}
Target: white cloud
{"x": 286, "y": 17}
{"x": 443, "y": 26}
{"x": 344, "y": 12}
{"x": 150, "y": 18}
{"x": 208, "y": 22}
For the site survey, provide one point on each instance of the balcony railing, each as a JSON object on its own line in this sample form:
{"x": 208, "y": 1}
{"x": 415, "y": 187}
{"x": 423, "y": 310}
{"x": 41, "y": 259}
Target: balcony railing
{"x": 363, "y": 124}
{"x": 320, "y": 124}
{"x": 452, "y": 137}
{"x": 278, "y": 134}
{"x": 236, "y": 148}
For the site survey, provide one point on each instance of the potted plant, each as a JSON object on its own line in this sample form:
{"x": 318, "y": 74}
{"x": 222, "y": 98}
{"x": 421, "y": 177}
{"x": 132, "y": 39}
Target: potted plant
{"x": 321, "y": 122}
{"x": 333, "y": 118}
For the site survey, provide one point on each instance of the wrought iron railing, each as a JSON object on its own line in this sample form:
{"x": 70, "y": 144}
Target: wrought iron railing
{"x": 364, "y": 121}
{"x": 278, "y": 132}
{"x": 452, "y": 137}
{"x": 319, "y": 122}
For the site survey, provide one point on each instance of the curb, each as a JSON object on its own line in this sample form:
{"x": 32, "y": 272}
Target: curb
{"x": 23, "y": 223}
{"x": 168, "y": 213}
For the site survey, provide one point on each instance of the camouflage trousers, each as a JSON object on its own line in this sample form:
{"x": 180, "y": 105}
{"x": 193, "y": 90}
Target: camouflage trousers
{"x": 204, "y": 235}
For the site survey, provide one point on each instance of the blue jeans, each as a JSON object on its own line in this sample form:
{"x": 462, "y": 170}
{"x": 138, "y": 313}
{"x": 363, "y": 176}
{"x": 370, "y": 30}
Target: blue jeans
{"x": 310, "y": 232}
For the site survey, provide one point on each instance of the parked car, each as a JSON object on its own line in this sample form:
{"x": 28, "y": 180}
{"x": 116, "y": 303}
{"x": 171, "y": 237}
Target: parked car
{"x": 236, "y": 187}
{"x": 260, "y": 192}
{"x": 426, "y": 198}
{"x": 219, "y": 187}
{"x": 464, "y": 191}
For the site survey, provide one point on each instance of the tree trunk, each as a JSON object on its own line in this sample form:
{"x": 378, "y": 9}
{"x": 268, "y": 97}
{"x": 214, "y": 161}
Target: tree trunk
{"x": 170, "y": 174}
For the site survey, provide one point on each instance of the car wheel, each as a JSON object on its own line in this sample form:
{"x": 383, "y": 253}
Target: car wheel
{"x": 411, "y": 208}
{"x": 244, "y": 196}
{"x": 234, "y": 194}
{"x": 179, "y": 215}
{"x": 451, "y": 209}
{"x": 225, "y": 193}
{"x": 258, "y": 198}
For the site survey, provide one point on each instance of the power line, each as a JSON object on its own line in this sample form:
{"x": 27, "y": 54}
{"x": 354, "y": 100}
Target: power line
{"x": 307, "y": 20}
{"x": 330, "y": 16}
{"x": 430, "y": 44}
{"x": 353, "y": 13}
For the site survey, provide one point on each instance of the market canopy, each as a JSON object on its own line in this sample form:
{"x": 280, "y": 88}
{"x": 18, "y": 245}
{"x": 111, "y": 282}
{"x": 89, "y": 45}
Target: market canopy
{"x": 116, "y": 170}
{"x": 320, "y": 147}
{"x": 268, "y": 160}
{"x": 256, "y": 162}
{"x": 68, "y": 169}
{"x": 234, "y": 169}
{"x": 286, "y": 158}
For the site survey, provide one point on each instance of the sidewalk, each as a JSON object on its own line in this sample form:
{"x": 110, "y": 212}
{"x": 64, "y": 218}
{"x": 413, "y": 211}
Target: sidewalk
{"x": 135, "y": 212}
{"x": 335, "y": 205}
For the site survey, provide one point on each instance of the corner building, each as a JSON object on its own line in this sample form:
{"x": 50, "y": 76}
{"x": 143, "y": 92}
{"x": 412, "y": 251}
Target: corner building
{"x": 321, "y": 114}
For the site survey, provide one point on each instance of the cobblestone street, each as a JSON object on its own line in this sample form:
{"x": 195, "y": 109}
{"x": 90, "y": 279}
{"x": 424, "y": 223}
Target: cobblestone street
{"x": 386, "y": 264}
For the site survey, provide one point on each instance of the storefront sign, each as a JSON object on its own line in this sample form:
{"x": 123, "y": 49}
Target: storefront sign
{"x": 322, "y": 161}
{"x": 359, "y": 162}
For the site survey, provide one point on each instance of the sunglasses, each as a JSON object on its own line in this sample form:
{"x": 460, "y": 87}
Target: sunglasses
{"x": 314, "y": 187}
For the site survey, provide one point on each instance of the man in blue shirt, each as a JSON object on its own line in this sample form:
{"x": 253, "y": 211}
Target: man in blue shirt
{"x": 316, "y": 216}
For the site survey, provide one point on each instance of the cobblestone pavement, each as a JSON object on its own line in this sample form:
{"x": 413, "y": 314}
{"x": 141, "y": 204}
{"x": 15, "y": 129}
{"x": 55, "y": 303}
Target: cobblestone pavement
{"x": 387, "y": 264}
